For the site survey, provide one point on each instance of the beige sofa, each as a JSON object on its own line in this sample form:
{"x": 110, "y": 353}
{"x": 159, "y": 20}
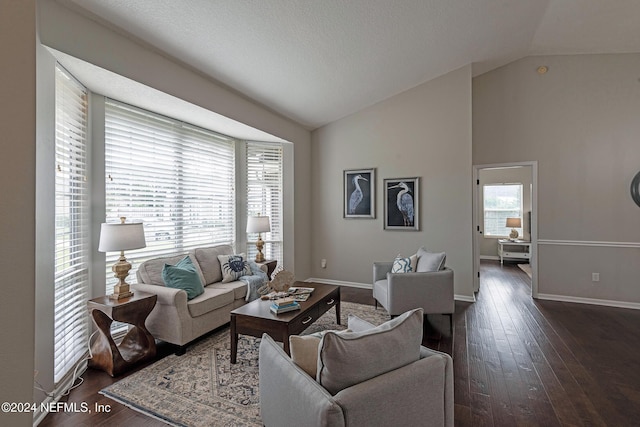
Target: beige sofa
{"x": 179, "y": 321}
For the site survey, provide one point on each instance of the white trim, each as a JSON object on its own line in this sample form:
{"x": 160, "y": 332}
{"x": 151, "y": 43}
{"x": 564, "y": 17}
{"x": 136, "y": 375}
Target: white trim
{"x": 589, "y": 243}
{"x": 592, "y": 301}
{"x": 457, "y": 297}
{"x": 340, "y": 283}
{"x": 58, "y": 392}
{"x": 491, "y": 257}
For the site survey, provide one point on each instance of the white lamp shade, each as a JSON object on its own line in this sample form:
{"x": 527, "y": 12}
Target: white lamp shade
{"x": 121, "y": 237}
{"x": 258, "y": 224}
{"x": 514, "y": 222}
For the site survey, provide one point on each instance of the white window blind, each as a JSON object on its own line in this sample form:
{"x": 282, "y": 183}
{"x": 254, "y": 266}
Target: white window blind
{"x": 264, "y": 195}
{"x": 176, "y": 178}
{"x": 501, "y": 201}
{"x": 72, "y": 246}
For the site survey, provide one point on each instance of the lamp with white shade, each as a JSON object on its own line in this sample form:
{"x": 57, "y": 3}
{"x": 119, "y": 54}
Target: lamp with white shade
{"x": 121, "y": 237}
{"x": 258, "y": 224}
{"x": 514, "y": 223}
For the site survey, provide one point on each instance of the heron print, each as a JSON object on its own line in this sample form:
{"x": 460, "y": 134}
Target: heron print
{"x": 359, "y": 191}
{"x": 401, "y": 204}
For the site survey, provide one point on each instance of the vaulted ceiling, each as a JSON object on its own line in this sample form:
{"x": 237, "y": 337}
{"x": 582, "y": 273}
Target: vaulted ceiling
{"x": 316, "y": 61}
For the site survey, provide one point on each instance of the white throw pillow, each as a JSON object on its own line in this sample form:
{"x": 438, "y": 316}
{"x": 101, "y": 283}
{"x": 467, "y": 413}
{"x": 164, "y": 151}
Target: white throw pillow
{"x": 233, "y": 267}
{"x": 428, "y": 261}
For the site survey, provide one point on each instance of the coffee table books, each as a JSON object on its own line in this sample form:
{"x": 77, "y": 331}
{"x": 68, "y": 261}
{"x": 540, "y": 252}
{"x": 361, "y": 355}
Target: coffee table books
{"x": 284, "y": 305}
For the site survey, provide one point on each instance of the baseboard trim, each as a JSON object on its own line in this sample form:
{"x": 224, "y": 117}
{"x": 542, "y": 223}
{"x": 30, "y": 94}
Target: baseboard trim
{"x": 492, "y": 257}
{"x": 592, "y": 301}
{"x": 589, "y": 243}
{"x": 55, "y": 396}
{"x": 465, "y": 298}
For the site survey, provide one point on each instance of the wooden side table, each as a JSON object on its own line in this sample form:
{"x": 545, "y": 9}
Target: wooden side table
{"x": 137, "y": 345}
{"x": 271, "y": 266}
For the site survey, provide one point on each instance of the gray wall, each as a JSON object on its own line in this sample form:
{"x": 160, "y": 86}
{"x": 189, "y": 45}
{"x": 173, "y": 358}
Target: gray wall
{"x": 512, "y": 175}
{"x": 580, "y": 121}
{"x": 17, "y": 205}
{"x": 424, "y": 132}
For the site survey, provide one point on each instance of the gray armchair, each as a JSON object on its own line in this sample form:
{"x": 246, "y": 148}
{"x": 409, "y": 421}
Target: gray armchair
{"x": 399, "y": 292}
{"x": 414, "y": 394}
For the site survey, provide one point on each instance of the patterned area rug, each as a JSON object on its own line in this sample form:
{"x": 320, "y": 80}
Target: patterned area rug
{"x": 202, "y": 388}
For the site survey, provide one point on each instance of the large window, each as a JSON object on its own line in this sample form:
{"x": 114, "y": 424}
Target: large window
{"x": 264, "y": 195}
{"x": 501, "y": 201}
{"x": 177, "y": 178}
{"x": 72, "y": 245}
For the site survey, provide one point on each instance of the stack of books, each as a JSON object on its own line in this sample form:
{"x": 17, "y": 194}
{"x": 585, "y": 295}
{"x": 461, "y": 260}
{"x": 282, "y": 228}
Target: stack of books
{"x": 283, "y": 305}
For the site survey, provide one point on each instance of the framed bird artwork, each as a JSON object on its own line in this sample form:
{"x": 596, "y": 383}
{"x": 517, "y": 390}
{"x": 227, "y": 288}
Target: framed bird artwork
{"x": 402, "y": 204}
{"x": 360, "y": 193}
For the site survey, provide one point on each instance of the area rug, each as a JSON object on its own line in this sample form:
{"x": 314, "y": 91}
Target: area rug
{"x": 526, "y": 268}
{"x": 202, "y": 387}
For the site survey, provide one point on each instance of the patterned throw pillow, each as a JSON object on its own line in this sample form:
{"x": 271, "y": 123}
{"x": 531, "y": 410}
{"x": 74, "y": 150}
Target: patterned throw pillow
{"x": 233, "y": 267}
{"x": 401, "y": 265}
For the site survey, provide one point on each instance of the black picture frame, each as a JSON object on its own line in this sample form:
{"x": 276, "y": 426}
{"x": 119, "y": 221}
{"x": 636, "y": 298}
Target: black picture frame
{"x": 359, "y": 193}
{"x": 402, "y": 204}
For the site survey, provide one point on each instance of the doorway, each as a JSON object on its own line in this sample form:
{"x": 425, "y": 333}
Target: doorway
{"x": 504, "y": 178}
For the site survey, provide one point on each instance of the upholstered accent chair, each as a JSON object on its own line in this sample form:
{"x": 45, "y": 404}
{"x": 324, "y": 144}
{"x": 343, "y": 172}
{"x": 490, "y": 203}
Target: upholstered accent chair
{"x": 368, "y": 376}
{"x": 430, "y": 289}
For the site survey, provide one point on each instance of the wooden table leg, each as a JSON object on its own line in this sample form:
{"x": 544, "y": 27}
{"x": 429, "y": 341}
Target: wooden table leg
{"x": 234, "y": 340}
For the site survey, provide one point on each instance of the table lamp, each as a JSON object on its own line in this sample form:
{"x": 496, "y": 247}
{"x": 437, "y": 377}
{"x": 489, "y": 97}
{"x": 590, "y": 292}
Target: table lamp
{"x": 514, "y": 223}
{"x": 258, "y": 224}
{"x": 121, "y": 237}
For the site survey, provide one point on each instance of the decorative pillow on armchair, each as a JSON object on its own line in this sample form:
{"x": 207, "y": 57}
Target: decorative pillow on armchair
{"x": 428, "y": 261}
{"x": 350, "y": 358}
{"x": 404, "y": 265}
{"x": 233, "y": 267}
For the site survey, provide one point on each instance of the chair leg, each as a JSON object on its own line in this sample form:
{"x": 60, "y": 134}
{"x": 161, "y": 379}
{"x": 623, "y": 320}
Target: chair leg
{"x": 376, "y": 303}
{"x": 451, "y": 323}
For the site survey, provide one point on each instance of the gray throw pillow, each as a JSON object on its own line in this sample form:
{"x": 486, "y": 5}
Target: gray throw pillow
{"x": 428, "y": 261}
{"x": 350, "y": 358}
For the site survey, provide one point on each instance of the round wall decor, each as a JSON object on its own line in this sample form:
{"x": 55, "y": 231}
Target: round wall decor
{"x": 635, "y": 189}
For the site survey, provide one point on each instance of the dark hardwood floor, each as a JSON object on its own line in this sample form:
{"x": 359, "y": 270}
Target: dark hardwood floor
{"x": 517, "y": 361}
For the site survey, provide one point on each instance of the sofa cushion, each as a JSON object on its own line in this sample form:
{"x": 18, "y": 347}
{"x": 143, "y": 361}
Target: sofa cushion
{"x": 304, "y": 350}
{"x": 428, "y": 261}
{"x": 183, "y": 276}
{"x": 238, "y": 287}
{"x": 351, "y": 358}
{"x": 233, "y": 267}
{"x": 209, "y": 263}
{"x": 150, "y": 272}
{"x": 211, "y": 299}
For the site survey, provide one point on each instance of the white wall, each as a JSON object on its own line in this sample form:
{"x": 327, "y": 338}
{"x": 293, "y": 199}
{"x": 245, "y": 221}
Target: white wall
{"x": 424, "y": 132}
{"x": 512, "y": 175}
{"x": 580, "y": 122}
{"x": 17, "y": 205}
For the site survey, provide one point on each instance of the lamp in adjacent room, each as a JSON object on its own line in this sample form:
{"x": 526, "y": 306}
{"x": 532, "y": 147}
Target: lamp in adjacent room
{"x": 258, "y": 224}
{"x": 514, "y": 223}
{"x": 121, "y": 237}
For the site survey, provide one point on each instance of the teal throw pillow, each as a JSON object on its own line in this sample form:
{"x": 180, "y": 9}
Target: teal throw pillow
{"x": 183, "y": 276}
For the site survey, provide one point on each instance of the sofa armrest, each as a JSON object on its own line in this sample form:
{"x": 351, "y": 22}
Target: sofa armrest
{"x": 288, "y": 395}
{"x": 380, "y": 270}
{"x": 166, "y": 295}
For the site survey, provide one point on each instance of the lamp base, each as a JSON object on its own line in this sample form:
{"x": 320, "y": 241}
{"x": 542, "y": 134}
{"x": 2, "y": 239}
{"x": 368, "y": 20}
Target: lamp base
{"x": 121, "y": 291}
{"x": 514, "y": 234}
{"x": 121, "y": 295}
{"x": 259, "y": 246}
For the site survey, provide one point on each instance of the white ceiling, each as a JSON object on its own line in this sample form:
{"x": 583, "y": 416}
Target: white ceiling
{"x": 316, "y": 61}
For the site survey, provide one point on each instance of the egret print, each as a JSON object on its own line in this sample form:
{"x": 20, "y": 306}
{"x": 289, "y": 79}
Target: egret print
{"x": 359, "y": 193}
{"x": 401, "y": 204}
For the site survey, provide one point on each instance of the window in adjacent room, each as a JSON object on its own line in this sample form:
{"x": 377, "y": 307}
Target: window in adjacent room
{"x": 264, "y": 195}
{"x": 72, "y": 244}
{"x": 177, "y": 178}
{"x": 501, "y": 201}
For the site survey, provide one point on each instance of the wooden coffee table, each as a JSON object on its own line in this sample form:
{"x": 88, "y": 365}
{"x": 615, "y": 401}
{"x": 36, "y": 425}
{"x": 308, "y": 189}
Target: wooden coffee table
{"x": 255, "y": 318}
